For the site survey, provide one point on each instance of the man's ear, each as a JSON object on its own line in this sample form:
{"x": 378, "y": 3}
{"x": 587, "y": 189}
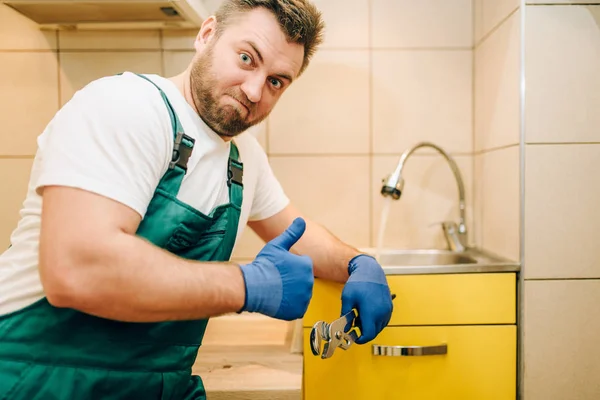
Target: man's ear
{"x": 206, "y": 33}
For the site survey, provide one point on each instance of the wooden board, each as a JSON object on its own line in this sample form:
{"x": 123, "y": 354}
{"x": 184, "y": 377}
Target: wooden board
{"x": 250, "y": 372}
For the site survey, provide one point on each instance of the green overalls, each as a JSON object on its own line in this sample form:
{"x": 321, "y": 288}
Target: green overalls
{"x": 55, "y": 353}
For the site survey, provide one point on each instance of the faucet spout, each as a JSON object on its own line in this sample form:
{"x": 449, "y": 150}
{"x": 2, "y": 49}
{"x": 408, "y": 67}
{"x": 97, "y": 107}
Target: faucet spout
{"x": 393, "y": 184}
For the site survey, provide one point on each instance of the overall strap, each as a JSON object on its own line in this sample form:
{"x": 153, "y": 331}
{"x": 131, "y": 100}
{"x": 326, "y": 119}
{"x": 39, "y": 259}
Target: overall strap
{"x": 235, "y": 172}
{"x": 182, "y": 148}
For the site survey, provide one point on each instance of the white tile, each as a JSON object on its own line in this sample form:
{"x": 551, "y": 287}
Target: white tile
{"x": 109, "y": 40}
{"x": 77, "y": 69}
{"x": 28, "y": 99}
{"x": 327, "y": 109}
{"x": 500, "y": 185}
{"x": 561, "y": 352}
{"x": 497, "y": 87}
{"x": 422, "y": 96}
{"x": 14, "y": 178}
{"x": 423, "y": 23}
{"x": 562, "y": 212}
{"x": 18, "y": 32}
{"x": 490, "y": 13}
{"x": 333, "y": 191}
{"x": 563, "y": 83}
{"x": 346, "y": 23}
{"x": 430, "y": 196}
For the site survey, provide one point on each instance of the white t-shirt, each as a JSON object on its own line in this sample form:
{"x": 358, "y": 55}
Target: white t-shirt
{"x": 114, "y": 138}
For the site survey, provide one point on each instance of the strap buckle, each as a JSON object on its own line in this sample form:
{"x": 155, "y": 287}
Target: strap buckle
{"x": 181, "y": 154}
{"x": 235, "y": 172}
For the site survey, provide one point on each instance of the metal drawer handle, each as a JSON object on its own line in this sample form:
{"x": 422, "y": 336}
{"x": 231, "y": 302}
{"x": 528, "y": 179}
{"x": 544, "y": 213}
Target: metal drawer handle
{"x": 405, "y": 351}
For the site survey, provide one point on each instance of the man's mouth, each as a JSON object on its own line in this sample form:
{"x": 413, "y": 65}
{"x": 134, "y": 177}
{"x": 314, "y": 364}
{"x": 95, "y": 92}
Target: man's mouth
{"x": 242, "y": 103}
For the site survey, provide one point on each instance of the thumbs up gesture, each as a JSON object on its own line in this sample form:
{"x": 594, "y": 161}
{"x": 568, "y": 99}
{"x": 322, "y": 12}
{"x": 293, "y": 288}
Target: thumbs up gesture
{"x": 278, "y": 283}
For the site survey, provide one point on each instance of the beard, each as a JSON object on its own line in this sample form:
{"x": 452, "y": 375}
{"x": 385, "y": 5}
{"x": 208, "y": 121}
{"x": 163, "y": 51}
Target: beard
{"x": 226, "y": 120}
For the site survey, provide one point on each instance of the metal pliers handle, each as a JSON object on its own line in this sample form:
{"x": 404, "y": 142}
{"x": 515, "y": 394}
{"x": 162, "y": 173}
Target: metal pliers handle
{"x": 340, "y": 333}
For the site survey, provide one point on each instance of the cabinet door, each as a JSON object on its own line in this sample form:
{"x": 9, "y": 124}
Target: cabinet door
{"x": 480, "y": 363}
{"x": 444, "y": 299}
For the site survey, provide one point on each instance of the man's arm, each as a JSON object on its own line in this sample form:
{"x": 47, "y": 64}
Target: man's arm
{"x": 91, "y": 260}
{"x": 329, "y": 254}
{"x": 365, "y": 283}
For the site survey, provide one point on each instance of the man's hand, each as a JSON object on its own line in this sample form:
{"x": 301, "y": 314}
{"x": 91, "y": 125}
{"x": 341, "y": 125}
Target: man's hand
{"x": 367, "y": 291}
{"x": 278, "y": 283}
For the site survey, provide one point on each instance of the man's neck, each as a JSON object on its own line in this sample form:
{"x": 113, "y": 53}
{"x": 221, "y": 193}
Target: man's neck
{"x": 182, "y": 82}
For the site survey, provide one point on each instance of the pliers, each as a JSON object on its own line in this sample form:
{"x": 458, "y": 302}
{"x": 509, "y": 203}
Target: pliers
{"x": 340, "y": 333}
{"x": 334, "y": 334}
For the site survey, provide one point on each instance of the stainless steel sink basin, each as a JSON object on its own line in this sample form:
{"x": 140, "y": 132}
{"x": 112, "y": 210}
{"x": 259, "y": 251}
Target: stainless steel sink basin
{"x": 433, "y": 261}
{"x": 415, "y": 258}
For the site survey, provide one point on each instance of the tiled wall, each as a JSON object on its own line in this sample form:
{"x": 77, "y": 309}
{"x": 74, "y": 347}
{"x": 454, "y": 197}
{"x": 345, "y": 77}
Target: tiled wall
{"x": 497, "y": 126}
{"x": 391, "y": 74}
{"x": 562, "y": 201}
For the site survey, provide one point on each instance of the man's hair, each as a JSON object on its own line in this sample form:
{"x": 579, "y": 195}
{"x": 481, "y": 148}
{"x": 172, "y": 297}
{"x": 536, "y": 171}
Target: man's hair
{"x": 300, "y": 21}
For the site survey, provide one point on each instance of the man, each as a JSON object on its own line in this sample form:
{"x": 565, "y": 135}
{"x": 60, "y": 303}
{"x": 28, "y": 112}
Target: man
{"x": 146, "y": 184}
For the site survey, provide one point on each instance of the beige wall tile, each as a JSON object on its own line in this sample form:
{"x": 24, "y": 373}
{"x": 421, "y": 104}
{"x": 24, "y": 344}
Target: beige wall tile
{"x": 18, "y": 32}
{"x": 562, "y": 213}
{"x": 78, "y": 69}
{"x": 260, "y": 132}
{"x": 561, "y": 352}
{"x": 490, "y": 13}
{"x": 424, "y": 95}
{"x": 28, "y": 101}
{"x": 499, "y": 185}
{"x": 563, "y": 83}
{"x": 178, "y": 39}
{"x": 109, "y": 40}
{"x": 346, "y": 22}
{"x": 327, "y": 109}
{"x": 175, "y": 62}
{"x": 423, "y": 23}
{"x": 430, "y": 196}
{"x": 478, "y": 192}
{"x": 248, "y": 247}
{"x": 497, "y": 87}
{"x": 561, "y": 2}
{"x": 333, "y": 191}
{"x": 14, "y": 178}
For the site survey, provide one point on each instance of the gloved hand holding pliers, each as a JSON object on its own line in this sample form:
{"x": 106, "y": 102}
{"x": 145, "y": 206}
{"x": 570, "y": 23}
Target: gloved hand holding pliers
{"x": 366, "y": 305}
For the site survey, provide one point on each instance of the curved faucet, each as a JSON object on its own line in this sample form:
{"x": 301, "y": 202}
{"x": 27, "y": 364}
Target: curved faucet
{"x": 393, "y": 184}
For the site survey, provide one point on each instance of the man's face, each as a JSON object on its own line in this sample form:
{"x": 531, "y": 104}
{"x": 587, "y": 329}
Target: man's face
{"x": 237, "y": 79}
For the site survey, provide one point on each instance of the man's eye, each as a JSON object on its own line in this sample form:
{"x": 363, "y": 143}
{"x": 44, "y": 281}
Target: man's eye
{"x": 276, "y": 83}
{"x": 246, "y": 59}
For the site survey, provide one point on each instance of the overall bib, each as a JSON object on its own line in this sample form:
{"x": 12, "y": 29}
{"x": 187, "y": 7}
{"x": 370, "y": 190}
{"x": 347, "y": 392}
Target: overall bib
{"x": 58, "y": 353}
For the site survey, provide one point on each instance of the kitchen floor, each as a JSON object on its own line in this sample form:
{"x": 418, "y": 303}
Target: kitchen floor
{"x": 266, "y": 372}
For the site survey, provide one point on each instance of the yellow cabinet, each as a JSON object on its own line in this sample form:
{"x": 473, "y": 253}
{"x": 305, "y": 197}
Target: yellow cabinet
{"x": 468, "y": 319}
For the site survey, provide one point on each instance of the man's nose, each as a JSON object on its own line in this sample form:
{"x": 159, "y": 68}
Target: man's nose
{"x": 253, "y": 87}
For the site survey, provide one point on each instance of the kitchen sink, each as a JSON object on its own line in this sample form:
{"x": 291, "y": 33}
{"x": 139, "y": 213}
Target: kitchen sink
{"x": 414, "y": 258}
{"x": 434, "y": 261}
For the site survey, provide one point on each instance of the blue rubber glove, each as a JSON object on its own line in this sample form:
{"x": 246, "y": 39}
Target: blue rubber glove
{"x": 367, "y": 291}
{"x": 279, "y": 283}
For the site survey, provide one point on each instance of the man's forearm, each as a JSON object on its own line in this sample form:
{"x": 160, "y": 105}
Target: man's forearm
{"x": 330, "y": 255}
{"x": 133, "y": 280}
